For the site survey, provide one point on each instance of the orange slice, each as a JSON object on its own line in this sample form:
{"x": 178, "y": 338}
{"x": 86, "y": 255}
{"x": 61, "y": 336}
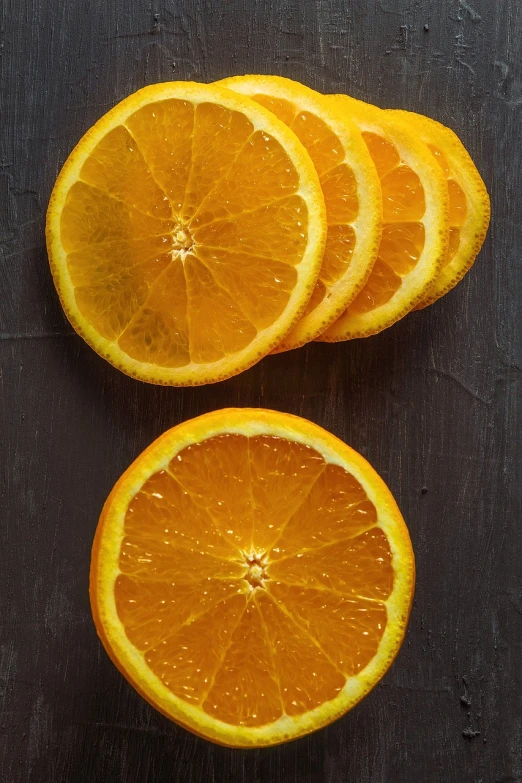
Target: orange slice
{"x": 351, "y": 191}
{"x": 415, "y": 229}
{"x": 469, "y": 202}
{"x": 185, "y": 233}
{"x": 251, "y": 576}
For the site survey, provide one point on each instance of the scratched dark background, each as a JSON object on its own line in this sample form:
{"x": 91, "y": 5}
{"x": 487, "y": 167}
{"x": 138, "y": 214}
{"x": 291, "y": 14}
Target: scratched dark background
{"x": 433, "y": 402}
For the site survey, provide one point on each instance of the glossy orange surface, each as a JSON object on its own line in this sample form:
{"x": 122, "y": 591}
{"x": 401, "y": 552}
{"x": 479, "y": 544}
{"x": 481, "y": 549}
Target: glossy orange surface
{"x": 253, "y": 577}
{"x": 183, "y": 232}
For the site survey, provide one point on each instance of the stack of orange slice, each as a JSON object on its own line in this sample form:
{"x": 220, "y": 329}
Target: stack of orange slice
{"x": 196, "y": 228}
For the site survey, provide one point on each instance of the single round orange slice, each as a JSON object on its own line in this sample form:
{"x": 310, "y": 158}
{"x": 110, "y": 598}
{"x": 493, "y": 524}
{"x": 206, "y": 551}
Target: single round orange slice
{"x": 185, "y": 233}
{"x": 251, "y": 576}
{"x": 351, "y": 191}
{"x": 415, "y": 228}
{"x": 469, "y": 202}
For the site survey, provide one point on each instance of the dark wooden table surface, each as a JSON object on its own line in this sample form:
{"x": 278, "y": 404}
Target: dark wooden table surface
{"x": 433, "y": 402}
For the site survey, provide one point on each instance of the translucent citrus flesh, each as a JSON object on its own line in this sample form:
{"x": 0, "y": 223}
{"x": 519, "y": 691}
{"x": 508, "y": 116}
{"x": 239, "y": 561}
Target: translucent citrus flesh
{"x": 338, "y": 185}
{"x": 183, "y": 233}
{"x": 458, "y": 206}
{"x": 403, "y": 232}
{"x": 253, "y": 577}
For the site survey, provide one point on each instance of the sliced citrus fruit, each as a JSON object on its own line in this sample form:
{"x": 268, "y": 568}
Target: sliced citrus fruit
{"x": 469, "y": 202}
{"x": 251, "y": 576}
{"x": 185, "y": 233}
{"x": 351, "y": 191}
{"x": 415, "y": 223}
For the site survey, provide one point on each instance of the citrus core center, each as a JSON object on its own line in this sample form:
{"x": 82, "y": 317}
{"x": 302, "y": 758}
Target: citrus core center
{"x": 256, "y": 571}
{"x": 182, "y": 242}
